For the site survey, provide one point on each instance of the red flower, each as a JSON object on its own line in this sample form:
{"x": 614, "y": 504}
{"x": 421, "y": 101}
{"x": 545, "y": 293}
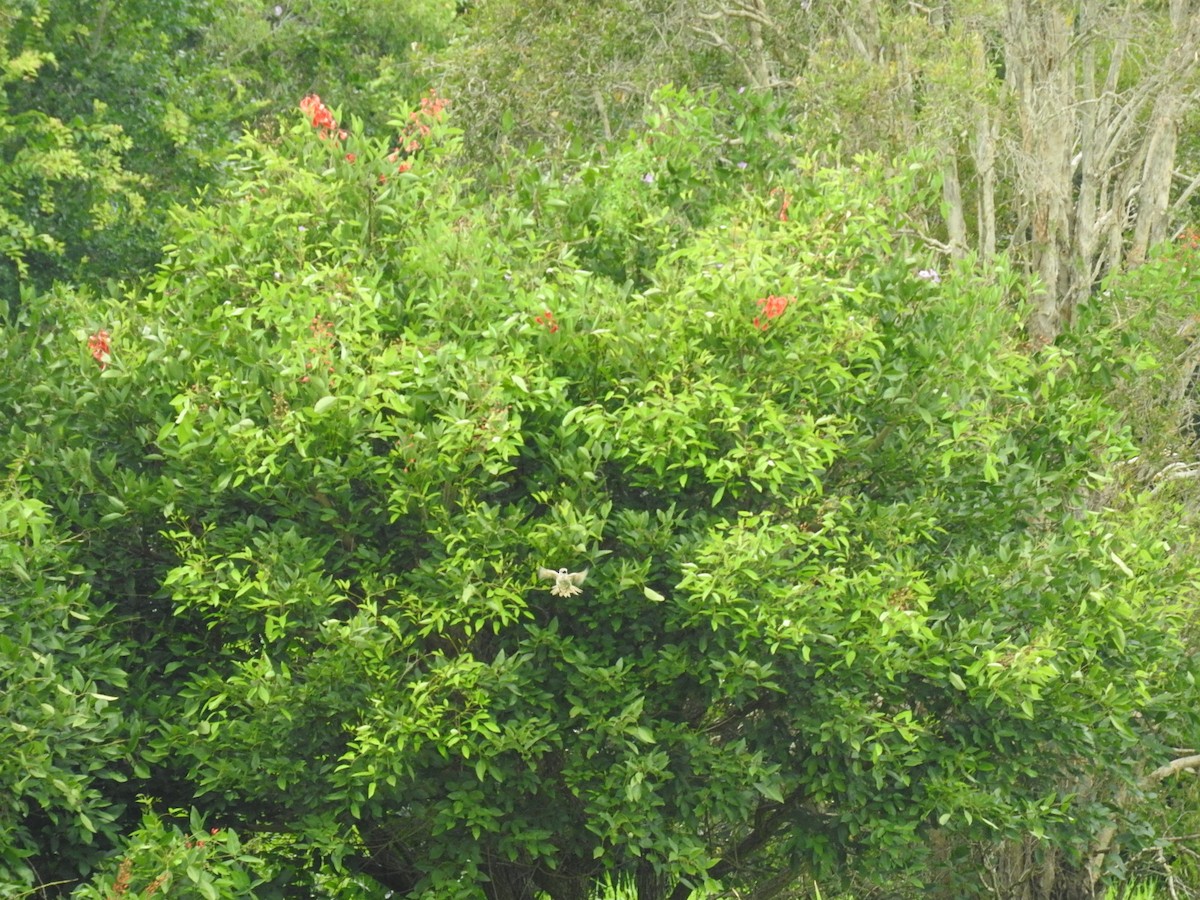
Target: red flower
{"x": 318, "y": 113}
{"x": 432, "y": 105}
{"x": 121, "y": 885}
{"x": 320, "y": 117}
{"x": 350, "y": 157}
{"x": 98, "y": 345}
{"x": 771, "y": 307}
{"x": 547, "y": 319}
{"x": 418, "y": 126}
{"x": 783, "y": 206}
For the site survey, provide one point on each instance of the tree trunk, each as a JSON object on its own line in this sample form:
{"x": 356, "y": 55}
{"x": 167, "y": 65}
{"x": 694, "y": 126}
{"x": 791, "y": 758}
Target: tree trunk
{"x": 1041, "y": 77}
{"x": 956, "y": 221}
{"x": 1158, "y": 166}
{"x": 984, "y": 151}
{"x": 1154, "y": 193}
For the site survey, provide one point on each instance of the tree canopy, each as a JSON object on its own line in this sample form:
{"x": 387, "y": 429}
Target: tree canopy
{"x": 878, "y": 572}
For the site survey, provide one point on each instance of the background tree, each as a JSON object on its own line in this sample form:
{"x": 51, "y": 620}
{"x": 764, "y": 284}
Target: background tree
{"x": 1057, "y": 123}
{"x": 112, "y": 106}
{"x": 53, "y": 167}
{"x": 1079, "y": 105}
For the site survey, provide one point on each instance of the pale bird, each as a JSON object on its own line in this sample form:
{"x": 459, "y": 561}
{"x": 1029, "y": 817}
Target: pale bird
{"x": 566, "y": 584}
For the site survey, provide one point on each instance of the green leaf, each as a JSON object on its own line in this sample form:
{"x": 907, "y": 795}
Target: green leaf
{"x": 770, "y": 790}
{"x": 324, "y": 403}
{"x": 1120, "y": 563}
{"x": 643, "y": 734}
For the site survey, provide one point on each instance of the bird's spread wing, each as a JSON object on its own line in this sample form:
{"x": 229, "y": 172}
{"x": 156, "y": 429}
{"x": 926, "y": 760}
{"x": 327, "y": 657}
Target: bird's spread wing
{"x": 543, "y": 572}
{"x": 577, "y": 577}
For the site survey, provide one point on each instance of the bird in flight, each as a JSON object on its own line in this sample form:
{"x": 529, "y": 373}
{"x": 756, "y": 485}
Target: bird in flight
{"x": 566, "y": 584}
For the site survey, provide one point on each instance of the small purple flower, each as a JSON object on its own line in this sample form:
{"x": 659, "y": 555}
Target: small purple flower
{"x": 930, "y": 275}
{"x": 742, "y": 164}
{"x": 648, "y": 178}
{"x": 742, "y": 89}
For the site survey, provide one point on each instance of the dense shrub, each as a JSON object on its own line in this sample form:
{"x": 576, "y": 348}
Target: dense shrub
{"x": 846, "y": 581}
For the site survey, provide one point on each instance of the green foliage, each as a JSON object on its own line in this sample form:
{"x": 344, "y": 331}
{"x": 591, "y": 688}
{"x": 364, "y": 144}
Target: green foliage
{"x": 847, "y": 583}
{"x": 549, "y": 73}
{"x": 198, "y": 863}
{"x": 66, "y": 741}
{"x": 1135, "y": 891}
{"x": 1147, "y": 309}
{"x": 53, "y": 166}
{"x": 367, "y": 52}
{"x": 110, "y": 113}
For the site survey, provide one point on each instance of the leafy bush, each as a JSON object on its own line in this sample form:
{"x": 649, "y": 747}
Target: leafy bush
{"x": 160, "y": 857}
{"x": 62, "y": 174}
{"x": 845, "y": 585}
{"x": 64, "y": 750}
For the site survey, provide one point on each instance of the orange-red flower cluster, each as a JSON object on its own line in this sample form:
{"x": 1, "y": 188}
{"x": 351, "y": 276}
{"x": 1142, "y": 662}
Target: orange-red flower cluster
{"x": 783, "y": 204}
{"x": 121, "y": 884}
{"x": 432, "y": 105}
{"x": 769, "y": 308}
{"x": 547, "y": 319}
{"x": 98, "y": 345}
{"x": 322, "y": 350}
{"x": 420, "y": 124}
{"x": 321, "y": 118}
{"x": 189, "y": 843}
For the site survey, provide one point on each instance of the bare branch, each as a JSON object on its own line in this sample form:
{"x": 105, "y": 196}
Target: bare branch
{"x": 1187, "y": 191}
{"x": 722, "y": 44}
{"x": 1171, "y": 768}
{"x": 745, "y": 12}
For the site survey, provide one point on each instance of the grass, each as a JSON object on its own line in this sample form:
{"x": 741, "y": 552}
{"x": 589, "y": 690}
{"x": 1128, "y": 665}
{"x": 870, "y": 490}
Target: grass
{"x": 1144, "y": 890}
